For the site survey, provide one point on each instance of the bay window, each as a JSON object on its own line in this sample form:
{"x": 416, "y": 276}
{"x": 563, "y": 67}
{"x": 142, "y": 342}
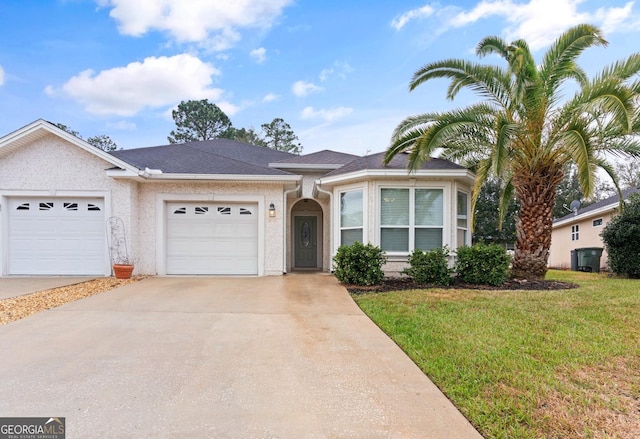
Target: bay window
{"x": 351, "y": 217}
{"x": 411, "y": 218}
{"x": 462, "y": 218}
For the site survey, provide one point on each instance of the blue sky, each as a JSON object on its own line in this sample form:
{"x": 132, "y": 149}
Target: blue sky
{"x": 336, "y": 71}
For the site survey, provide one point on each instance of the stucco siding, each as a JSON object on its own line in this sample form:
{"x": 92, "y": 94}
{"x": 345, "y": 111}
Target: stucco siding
{"x": 588, "y": 236}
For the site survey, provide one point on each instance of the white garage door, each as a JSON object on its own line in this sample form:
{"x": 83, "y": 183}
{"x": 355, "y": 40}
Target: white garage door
{"x": 212, "y": 238}
{"x": 56, "y": 236}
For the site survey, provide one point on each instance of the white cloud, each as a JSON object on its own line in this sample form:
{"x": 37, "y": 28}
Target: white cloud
{"x": 214, "y": 23}
{"x": 1, "y": 76}
{"x": 401, "y": 20}
{"x": 535, "y": 22}
{"x": 153, "y": 83}
{"x": 328, "y": 115}
{"x": 259, "y": 54}
{"x": 325, "y": 73}
{"x": 303, "y": 88}
{"x": 270, "y": 97}
{"x": 123, "y": 125}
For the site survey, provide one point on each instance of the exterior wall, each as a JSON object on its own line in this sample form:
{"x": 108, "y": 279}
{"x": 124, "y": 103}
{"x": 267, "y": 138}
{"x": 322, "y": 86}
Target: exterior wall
{"x": 589, "y": 236}
{"x": 151, "y": 199}
{"x": 52, "y": 166}
{"x": 371, "y": 191}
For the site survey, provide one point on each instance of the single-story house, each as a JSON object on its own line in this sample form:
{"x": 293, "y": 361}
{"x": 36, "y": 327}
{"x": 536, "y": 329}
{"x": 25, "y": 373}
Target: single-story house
{"x": 582, "y": 228}
{"x": 216, "y": 207}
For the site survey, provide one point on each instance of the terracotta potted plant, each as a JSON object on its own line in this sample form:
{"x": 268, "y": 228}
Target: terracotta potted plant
{"x": 122, "y": 263}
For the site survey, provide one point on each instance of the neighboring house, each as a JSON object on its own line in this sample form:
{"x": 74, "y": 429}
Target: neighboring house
{"x": 215, "y": 207}
{"x": 582, "y": 229}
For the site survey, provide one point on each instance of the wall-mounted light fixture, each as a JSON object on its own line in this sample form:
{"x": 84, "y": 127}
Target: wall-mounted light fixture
{"x": 272, "y": 210}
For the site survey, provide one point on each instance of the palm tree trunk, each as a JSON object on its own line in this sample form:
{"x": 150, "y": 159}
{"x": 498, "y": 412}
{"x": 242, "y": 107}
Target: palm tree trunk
{"x": 536, "y": 192}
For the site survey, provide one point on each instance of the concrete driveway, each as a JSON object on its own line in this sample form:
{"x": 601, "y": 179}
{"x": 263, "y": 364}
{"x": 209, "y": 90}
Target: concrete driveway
{"x": 17, "y": 286}
{"x": 274, "y": 357}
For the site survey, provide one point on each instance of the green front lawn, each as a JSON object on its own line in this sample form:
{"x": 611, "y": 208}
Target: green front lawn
{"x": 527, "y": 364}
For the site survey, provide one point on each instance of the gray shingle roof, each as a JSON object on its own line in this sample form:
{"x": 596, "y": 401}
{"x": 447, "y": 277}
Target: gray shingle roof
{"x": 374, "y": 161}
{"x": 324, "y": 157}
{"x": 611, "y": 201}
{"x": 217, "y": 156}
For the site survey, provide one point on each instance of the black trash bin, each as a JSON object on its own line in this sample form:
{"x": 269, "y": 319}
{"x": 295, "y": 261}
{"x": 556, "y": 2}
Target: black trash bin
{"x": 589, "y": 259}
{"x": 574, "y": 260}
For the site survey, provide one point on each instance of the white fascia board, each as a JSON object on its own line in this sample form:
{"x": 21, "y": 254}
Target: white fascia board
{"x": 583, "y": 216}
{"x": 305, "y": 166}
{"x": 41, "y": 124}
{"x": 399, "y": 173}
{"x": 222, "y": 177}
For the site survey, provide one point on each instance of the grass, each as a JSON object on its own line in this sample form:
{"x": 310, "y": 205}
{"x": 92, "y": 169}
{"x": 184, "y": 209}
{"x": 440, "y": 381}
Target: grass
{"x": 527, "y": 364}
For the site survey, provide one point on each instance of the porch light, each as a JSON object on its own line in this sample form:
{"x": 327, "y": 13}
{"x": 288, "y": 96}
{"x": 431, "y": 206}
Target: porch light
{"x": 272, "y": 210}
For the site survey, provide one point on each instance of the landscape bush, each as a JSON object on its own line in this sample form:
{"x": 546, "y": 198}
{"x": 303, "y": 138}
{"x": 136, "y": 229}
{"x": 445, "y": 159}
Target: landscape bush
{"x": 430, "y": 267}
{"x": 482, "y": 264}
{"x": 359, "y": 264}
{"x": 621, "y": 237}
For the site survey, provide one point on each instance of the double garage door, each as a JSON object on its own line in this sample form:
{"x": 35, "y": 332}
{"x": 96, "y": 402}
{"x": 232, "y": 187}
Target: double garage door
{"x": 212, "y": 238}
{"x": 56, "y": 236}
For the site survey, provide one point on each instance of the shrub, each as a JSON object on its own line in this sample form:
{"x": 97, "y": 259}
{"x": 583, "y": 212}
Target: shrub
{"x": 429, "y": 267}
{"x": 359, "y": 264}
{"x": 621, "y": 238}
{"x": 482, "y": 264}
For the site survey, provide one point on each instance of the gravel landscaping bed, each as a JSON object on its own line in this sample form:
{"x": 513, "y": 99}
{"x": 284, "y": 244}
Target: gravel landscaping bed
{"x": 16, "y": 308}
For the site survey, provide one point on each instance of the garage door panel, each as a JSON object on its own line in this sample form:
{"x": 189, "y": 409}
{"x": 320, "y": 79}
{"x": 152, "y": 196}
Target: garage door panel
{"x": 211, "y": 238}
{"x": 56, "y": 236}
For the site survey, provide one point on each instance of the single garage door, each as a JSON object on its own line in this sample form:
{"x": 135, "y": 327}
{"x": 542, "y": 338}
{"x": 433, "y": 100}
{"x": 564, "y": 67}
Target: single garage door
{"x": 212, "y": 238}
{"x": 56, "y": 236}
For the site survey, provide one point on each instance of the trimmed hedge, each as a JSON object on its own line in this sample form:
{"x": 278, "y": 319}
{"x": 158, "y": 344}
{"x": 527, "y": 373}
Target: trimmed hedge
{"x": 431, "y": 267}
{"x": 482, "y": 264}
{"x": 359, "y": 264}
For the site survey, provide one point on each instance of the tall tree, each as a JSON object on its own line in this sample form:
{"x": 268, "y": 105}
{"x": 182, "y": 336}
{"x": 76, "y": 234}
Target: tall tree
{"x": 198, "y": 120}
{"x": 101, "y": 141}
{"x": 629, "y": 173}
{"x": 525, "y": 132}
{"x": 244, "y": 135}
{"x": 568, "y": 190}
{"x": 490, "y": 226}
{"x": 279, "y": 135}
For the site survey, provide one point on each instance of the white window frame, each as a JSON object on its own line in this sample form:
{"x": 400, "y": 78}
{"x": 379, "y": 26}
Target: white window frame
{"x": 467, "y": 230}
{"x": 446, "y": 218}
{"x": 597, "y": 225}
{"x": 575, "y": 232}
{"x": 364, "y": 216}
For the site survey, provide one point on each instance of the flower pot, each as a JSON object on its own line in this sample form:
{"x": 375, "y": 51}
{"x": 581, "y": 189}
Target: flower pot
{"x": 121, "y": 271}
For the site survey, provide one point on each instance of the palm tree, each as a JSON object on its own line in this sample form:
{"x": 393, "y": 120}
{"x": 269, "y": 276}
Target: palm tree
{"x": 523, "y": 131}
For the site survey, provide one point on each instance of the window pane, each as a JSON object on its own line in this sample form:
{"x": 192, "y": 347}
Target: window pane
{"x": 394, "y": 240}
{"x": 395, "y": 207}
{"x": 348, "y": 237}
{"x": 351, "y": 209}
{"x": 428, "y": 239}
{"x": 462, "y": 209}
{"x": 429, "y": 207}
{"x": 462, "y": 237}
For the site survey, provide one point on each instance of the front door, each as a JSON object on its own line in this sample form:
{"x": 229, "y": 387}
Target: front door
{"x": 306, "y": 241}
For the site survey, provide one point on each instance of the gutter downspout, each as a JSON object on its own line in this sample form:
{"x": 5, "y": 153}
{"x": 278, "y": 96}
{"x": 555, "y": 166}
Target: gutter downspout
{"x": 284, "y": 225}
{"x": 319, "y": 189}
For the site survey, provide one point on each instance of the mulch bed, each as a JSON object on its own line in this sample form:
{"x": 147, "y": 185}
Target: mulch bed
{"x": 400, "y": 283}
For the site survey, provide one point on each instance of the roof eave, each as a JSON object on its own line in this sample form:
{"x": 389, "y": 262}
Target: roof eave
{"x": 463, "y": 174}
{"x": 209, "y": 177}
{"x": 586, "y": 215}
